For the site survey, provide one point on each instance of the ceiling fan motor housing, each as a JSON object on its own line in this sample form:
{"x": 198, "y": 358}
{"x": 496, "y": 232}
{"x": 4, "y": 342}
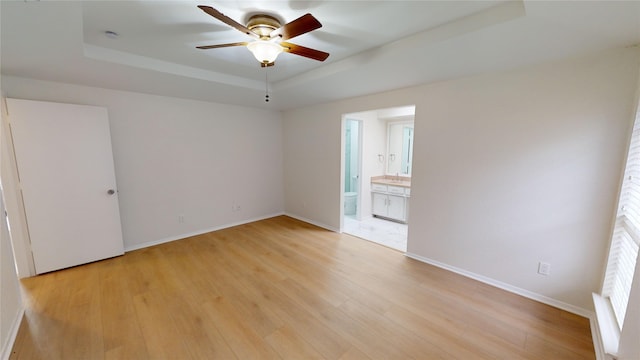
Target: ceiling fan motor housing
{"x": 263, "y": 25}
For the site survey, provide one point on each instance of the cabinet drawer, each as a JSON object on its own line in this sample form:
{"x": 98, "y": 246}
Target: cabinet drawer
{"x": 395, "y": 190}
{"x": 378, "y": 187}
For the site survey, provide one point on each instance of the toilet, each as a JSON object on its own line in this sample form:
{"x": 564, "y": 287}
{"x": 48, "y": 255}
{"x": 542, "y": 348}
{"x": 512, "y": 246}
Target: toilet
{"x": 350, "y": 200}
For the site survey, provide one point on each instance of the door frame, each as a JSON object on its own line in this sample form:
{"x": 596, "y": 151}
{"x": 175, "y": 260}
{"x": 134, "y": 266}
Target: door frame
{"x": 14, "y": 205}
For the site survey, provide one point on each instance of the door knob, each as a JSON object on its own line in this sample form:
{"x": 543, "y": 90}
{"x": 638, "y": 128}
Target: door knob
{"x": 111, "y": 191}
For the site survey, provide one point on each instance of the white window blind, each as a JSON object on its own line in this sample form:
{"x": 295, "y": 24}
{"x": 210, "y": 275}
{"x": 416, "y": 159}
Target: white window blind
{"x": 626, "y": 235}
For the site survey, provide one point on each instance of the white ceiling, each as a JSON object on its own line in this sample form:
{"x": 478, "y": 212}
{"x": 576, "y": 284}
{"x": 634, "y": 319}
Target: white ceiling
{"x": 374, "y": 45}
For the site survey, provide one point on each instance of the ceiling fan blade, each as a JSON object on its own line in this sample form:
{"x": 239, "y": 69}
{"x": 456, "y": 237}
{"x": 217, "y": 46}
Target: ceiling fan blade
{"x": 304, "y": 51}
{"x": 222, "y": 45}
{"x": 227, "y": 20}
{"x": 297, "y": 27}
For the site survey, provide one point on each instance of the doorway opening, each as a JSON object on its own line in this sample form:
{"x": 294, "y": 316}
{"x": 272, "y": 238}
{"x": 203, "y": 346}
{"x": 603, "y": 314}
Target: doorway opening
{"x": 352, "y": 153}
{"x": 377, "y": 148}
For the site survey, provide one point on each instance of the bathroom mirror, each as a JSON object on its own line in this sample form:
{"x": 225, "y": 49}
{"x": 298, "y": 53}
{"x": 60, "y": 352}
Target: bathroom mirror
{"x": 399, "y": 147}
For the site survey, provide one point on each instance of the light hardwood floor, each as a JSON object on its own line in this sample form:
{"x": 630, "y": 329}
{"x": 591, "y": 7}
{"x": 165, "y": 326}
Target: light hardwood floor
{"x": 281, "y": 288}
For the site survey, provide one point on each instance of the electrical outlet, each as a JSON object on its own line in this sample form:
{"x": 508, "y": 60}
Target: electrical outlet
{"x": 544, "y": 268}
{"x": 235, "y": 207}
{"x": 181, "y": 219}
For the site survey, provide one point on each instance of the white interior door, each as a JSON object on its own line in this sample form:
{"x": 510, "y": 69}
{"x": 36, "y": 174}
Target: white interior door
{"x": 67, "y": 177}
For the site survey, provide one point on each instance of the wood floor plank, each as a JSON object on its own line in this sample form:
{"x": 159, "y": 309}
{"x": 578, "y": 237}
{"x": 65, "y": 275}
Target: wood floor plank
{"x": 248, "y": 307}
{"x": 161, "y": 337}
{"x": 286, "y": 342}
{"x": 375, "y": 341}
{"x": 436, "y": 333}
{"x": 202, "y": 337}
{"x": 243, "y": 340}
{"x": 539, "y": 348}
{"x": 354, "y": 354}
{"x": 309, "y": 325}
{"x": 379, "y": 327}
{"x": 120, "y": 324}
{"x": 84, "y": 331}
{"x": 283, "y": 289}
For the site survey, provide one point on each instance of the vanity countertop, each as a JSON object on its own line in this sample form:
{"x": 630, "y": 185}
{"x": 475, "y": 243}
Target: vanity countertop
{"x": 392, "y": 180}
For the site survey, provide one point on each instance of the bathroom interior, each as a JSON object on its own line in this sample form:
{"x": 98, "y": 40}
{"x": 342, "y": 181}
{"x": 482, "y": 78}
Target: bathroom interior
{"x": 378, "y": 157}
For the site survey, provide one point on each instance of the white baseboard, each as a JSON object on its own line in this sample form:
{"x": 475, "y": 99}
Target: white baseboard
{"x": 504, "y": 286}
{"x": 13, "y": 332}
{"x": 198, "y": 232}
{"x": 324, "y": 226}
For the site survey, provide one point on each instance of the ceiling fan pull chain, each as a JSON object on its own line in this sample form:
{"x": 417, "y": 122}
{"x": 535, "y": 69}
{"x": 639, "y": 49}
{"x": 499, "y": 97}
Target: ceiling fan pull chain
{"x": 266, "y": 84}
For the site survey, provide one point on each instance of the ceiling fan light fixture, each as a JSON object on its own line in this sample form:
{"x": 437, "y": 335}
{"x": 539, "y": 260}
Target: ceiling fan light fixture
{"x": 264, "y": 51}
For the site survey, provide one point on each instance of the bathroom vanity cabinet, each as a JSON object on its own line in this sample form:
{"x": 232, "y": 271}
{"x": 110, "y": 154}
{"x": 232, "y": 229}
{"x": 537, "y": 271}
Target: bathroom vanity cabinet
{"x": 390, "y": 202}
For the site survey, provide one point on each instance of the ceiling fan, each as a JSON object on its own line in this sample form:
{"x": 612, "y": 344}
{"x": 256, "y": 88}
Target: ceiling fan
{"x": 269, "y": 36}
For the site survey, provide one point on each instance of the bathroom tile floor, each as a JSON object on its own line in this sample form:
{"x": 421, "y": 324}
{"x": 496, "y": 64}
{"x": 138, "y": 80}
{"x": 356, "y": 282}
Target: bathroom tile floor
{"x": 383, "y": 232}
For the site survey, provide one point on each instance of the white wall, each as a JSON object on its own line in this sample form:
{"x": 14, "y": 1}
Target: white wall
{"x": 509, "y": 169}
{"x": 177, "y": 157}
{"x": 312, "y": 167}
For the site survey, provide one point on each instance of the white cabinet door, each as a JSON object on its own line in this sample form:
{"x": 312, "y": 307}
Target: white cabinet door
{"x": 66, "y": 171}
{"x": 396, "y": 207}
{"x": 379, "y": 204}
